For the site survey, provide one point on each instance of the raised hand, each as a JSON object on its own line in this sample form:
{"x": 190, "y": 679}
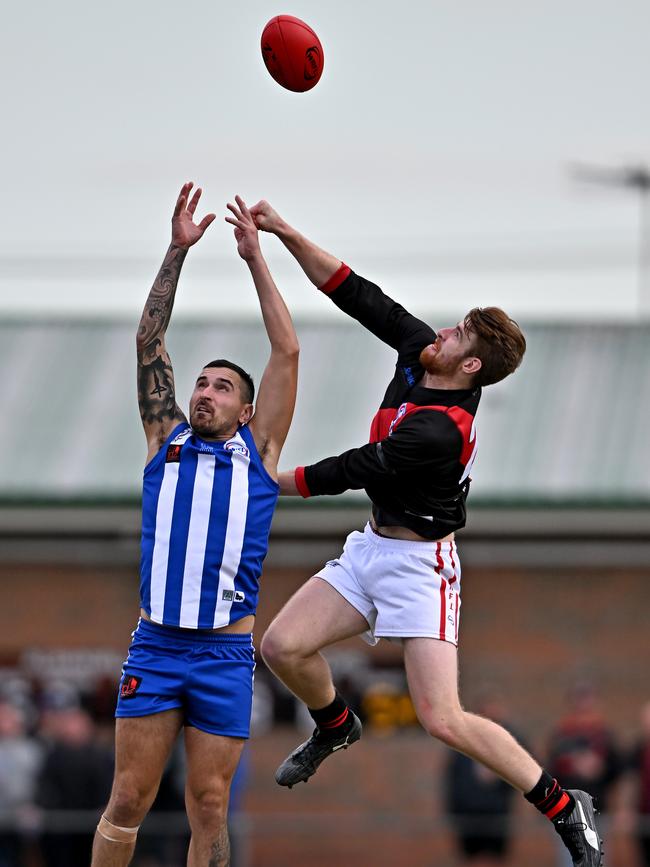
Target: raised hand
{"x": 185, "y": 232}
{"x": 265, "y": 217}
{"x": 248, "y": 245}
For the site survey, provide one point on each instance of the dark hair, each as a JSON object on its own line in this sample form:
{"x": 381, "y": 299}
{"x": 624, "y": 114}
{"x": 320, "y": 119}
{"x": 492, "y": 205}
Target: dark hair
{"x": 248, "y": 391}
{"x": 499, "y": 343}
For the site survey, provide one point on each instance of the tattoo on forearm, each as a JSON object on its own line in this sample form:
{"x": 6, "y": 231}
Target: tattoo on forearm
{"x": 158, "y": 308}
{"x": 220, "y": 852}
{"x": 156, "y": 394}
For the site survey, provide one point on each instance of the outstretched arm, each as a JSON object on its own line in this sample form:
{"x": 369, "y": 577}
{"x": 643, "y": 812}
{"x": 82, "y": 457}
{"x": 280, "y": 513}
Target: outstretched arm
{"x": 424, "y": 440}
{"x": 318, "y": 265}
{"x": 277, "y": 392}
{"x": 354, "y": 295}
{"x": 156, "y": 393}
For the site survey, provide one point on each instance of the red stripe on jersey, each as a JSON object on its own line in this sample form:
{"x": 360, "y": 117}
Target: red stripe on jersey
{"x": 301, "y": 484}
{"x": 443, "y": 608}
{"x": 460, "y": 417}
{"x": 453, "y": 564}
{"x": 381, "y": 424}
{"x": 463, "y": 421}
{"x": 336, "y": 279}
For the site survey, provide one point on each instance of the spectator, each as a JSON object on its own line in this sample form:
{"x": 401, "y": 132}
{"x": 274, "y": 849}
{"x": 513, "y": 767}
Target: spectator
{"x": 19, "y": 762}
{"x": 582, "y": 750}
{"x": 478, "y": 802}
{"x": 76, "y": 776}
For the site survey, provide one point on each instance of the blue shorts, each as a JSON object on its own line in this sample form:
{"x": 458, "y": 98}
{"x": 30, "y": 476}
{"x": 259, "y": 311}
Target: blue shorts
{"x": 209, "y": 675}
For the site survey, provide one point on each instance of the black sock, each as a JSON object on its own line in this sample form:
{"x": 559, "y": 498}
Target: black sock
{"x": 550, "y": 798}
{"x": 335, "y": 720}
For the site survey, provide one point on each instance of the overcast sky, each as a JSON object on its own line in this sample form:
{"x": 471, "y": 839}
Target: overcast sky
{"x": 433, "y": 155}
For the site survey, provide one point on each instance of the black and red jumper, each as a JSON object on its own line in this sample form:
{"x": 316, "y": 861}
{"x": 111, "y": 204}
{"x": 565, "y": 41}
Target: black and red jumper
{"x": 415, "y": 469}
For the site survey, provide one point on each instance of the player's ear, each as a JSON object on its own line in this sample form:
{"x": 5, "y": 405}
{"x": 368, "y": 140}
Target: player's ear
{"x": 246, "y": 414}
{"x": 472, "y": 365}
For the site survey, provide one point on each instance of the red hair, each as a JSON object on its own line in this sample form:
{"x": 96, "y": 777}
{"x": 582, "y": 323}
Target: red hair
{"x": 498, "y": 342}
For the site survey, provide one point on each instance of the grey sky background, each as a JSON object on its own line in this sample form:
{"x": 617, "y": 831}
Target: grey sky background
{"x": 433, "y": 155}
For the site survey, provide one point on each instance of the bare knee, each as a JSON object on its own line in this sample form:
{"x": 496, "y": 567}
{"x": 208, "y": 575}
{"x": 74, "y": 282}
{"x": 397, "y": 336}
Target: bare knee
{"x": 279, "y": 649}
{"x": 444, "y": 724}
{"x": 207, "y": 809}
{"x": 129, "y": 803}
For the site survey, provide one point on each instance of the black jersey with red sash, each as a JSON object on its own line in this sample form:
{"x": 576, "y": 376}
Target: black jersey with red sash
{"x": 415, "y": 469}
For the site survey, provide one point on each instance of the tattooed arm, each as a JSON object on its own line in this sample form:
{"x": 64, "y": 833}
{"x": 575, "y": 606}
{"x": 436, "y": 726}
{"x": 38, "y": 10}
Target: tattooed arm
{"x": 156, "y": 393}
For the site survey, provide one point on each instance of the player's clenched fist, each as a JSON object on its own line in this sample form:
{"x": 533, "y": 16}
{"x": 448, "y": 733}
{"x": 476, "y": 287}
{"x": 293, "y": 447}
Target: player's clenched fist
{"x": 266, "y": 218}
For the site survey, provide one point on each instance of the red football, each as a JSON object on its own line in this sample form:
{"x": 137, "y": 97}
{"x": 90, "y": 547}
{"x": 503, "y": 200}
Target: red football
{"x": 292, "y": 53}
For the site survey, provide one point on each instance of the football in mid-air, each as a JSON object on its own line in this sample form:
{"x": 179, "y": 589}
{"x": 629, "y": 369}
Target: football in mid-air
{"x": 292, "y": 53}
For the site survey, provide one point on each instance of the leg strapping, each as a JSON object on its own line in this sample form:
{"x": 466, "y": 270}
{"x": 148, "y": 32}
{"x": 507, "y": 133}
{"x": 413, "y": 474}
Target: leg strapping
{"x": 115, "y": 833}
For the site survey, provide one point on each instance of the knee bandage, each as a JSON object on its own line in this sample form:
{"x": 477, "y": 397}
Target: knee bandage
{"x": 114, "y": 833}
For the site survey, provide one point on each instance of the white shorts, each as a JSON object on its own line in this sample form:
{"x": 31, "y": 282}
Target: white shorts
{"x": 403, "y": 589}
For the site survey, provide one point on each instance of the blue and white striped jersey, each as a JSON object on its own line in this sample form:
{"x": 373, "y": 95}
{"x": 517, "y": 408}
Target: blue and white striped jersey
{"x": 206, "y": 515}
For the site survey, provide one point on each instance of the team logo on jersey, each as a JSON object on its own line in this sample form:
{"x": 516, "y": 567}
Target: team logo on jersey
{"x": 237, "y": 448}
{"x": 400, "y": 414}
{"x": 173, "y": 454}
{"x": 233, "y": 596}
{"x": 129, "y": 686}
{"x": 184, "y": 435}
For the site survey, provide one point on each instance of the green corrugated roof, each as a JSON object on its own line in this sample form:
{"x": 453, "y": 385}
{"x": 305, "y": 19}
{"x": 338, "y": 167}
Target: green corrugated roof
{"x": 571, "y": 425}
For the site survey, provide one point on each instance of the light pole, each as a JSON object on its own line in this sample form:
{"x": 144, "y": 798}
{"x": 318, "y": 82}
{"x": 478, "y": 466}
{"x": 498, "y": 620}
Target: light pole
{"x": 637, "y": 178}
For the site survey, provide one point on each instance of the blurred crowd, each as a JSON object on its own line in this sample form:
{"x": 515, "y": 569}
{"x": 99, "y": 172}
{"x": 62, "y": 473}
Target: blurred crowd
{"x": 56, "y": 765}
{"x": 55, "y": 755}
{"x": 582, "y": 751}
{"x": 56, "y": 769}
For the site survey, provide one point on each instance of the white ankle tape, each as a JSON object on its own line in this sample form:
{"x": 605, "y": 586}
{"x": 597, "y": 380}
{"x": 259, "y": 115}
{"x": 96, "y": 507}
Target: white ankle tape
{"x": 114, "y": 833}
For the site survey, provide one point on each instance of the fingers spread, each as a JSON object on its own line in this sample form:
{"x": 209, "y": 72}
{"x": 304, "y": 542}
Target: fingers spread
{"x": 235, "y": 211}
{"x": 239, "y": 223}
{"x": 243, "y": 206}
{"x": 205, "y": 222}
{"x": 182, "y": 197}
{"x": 194, "y": 201}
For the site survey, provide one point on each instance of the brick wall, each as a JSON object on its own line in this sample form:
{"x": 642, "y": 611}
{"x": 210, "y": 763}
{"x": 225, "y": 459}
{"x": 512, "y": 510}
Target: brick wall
{"x": 531, "y": 632}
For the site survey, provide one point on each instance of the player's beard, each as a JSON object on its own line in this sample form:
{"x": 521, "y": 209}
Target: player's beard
{"x": 435, "y": 365}
{"x": 210, "y": 425}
